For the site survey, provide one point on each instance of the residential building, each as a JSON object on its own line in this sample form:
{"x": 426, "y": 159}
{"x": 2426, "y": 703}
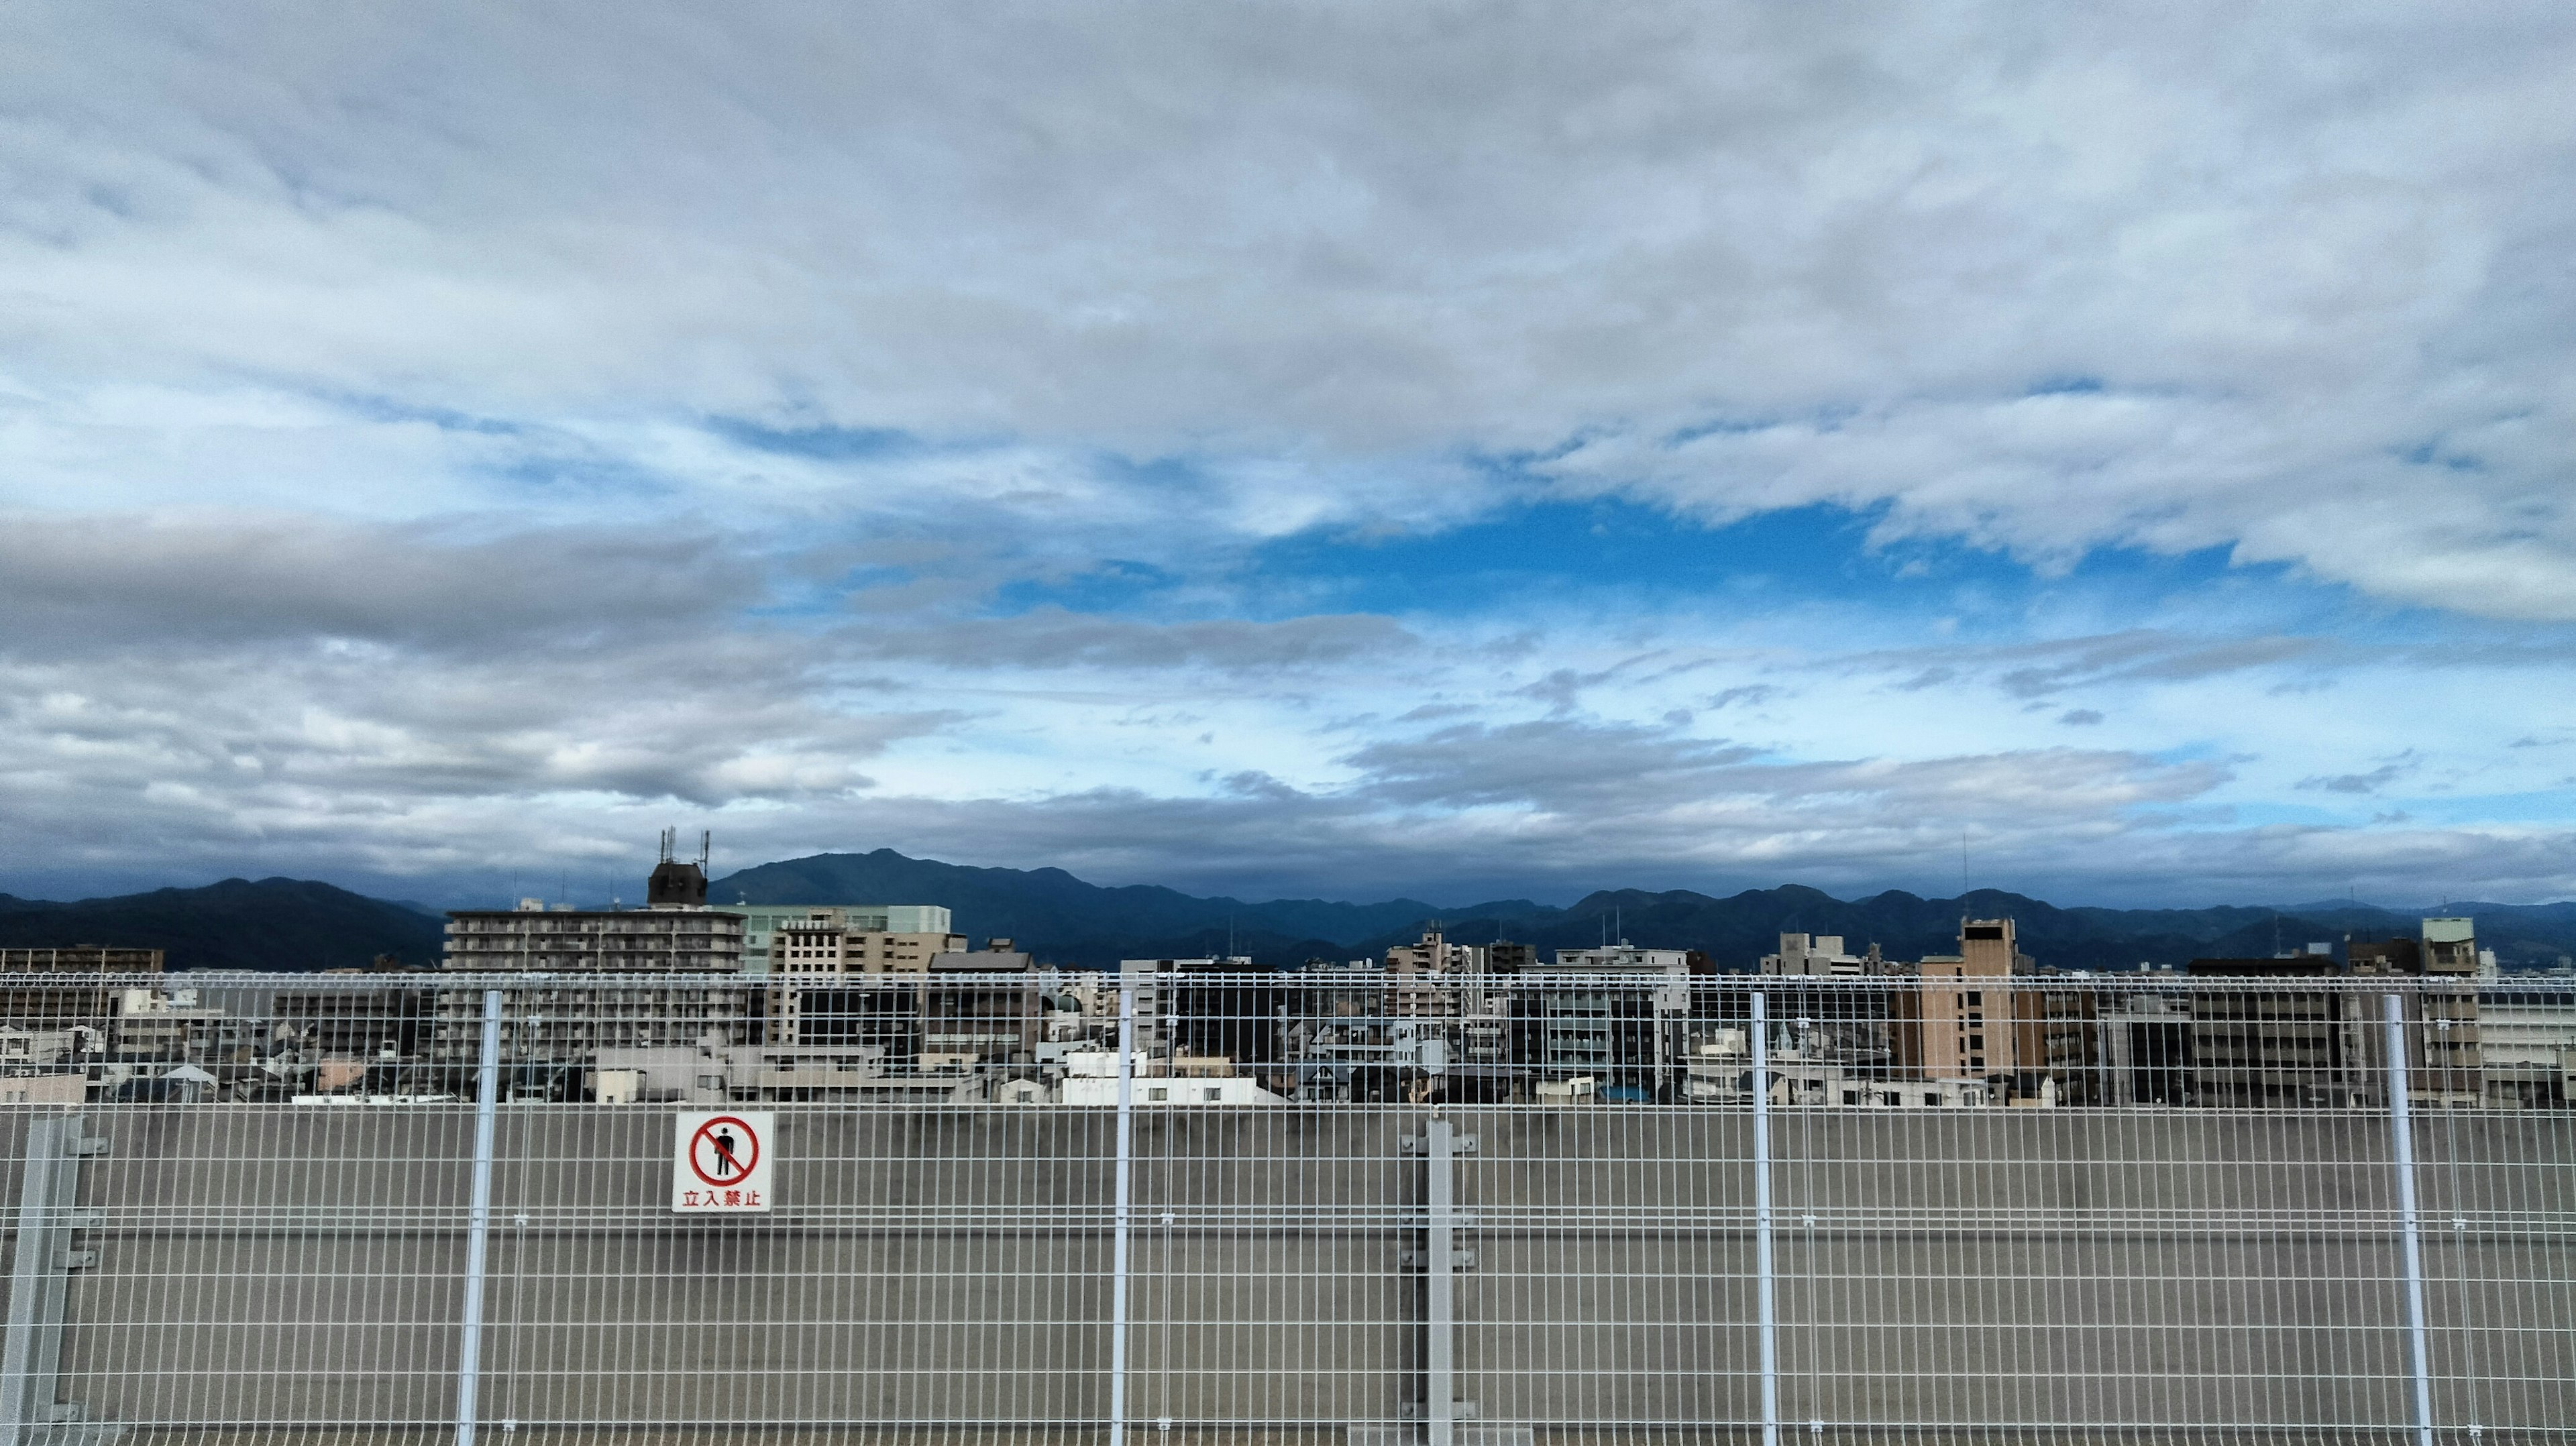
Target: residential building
{"x": 813, "y": 959}
{"x": 1627, "y": 1033}
{"x": 1429, "y": 975}
{"x": 1158, "y": 1014}
{"x": 1955, "y": 1022}
{"x": 624, "y": 981}
{"x": 80, "y": 959}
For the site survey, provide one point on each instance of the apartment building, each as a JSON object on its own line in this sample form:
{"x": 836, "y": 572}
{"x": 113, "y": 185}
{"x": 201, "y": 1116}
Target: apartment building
{"x": 79, "y": 984}
{"x": 1626, "y": 1033}
{"x": 624, "y": 980}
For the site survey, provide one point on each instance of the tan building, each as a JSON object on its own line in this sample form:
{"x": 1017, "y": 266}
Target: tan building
{"x": 1986, "y": 1013}
{"x": 1955, "y": 1023}
{"x": 921, "y": 1006}
{"x": 812, "y": 955}
{"x": 1429, "y": 975}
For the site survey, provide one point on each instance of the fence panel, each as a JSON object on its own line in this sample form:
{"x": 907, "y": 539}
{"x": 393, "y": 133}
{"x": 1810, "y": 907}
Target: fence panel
{"x": 1363, "y": 1208}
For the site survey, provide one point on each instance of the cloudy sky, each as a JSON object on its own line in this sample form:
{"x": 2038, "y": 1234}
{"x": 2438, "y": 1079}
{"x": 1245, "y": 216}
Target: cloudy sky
{"x": 1345, "y": 450}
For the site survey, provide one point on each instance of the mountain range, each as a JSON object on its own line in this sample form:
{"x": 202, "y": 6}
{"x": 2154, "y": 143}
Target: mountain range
{"x": 274, "y": 924}
{"x": 290, "y": 924}
{"x": 1062, "y": 919}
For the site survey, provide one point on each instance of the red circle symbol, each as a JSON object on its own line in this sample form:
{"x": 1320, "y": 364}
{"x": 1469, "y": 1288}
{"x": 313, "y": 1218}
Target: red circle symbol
{"x": 734, "y": 1154}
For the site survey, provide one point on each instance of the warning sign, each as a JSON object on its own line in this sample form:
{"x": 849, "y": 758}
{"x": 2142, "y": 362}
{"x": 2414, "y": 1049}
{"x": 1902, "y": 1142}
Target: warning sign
{"x": 722, "y": 1163}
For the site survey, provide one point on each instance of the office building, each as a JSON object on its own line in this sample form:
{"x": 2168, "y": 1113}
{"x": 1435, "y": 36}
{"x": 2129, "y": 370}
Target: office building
{"x": 2260, "y": 1041}
{"x": 2444, "y": 1066}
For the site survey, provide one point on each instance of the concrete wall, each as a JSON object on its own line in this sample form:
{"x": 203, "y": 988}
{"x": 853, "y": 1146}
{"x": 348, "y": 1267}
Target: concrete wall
{"x": 2001, "y": 1269}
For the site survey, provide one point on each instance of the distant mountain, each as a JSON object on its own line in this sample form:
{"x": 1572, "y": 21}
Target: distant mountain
{"x": 1065, "y": 920}
{"x": 276, "y": 924}
{"x": 289, "y": 924}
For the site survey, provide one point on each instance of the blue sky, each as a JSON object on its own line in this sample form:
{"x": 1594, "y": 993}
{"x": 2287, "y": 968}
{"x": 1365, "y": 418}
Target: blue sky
{"x": 1299, "y": 452}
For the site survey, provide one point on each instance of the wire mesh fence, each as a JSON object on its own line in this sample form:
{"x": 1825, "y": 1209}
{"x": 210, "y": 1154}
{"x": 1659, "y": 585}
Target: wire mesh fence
{"x": 1350, "y": 1204}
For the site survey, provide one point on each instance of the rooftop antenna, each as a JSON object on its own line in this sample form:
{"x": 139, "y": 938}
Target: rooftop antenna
{"x": 670, "y": 837}
{"x": 706, "y": 847}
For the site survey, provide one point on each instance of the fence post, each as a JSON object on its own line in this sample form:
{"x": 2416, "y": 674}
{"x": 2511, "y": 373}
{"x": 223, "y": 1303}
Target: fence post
{"x": 1440, "y": 1302}
{"x": 2402, "y": 1135}
{"x": 1119, "y": 1213}
{"x": 478, "y": 1219}
{"x": 1766, "y": 1323}
{"x": 31, "y": 1353}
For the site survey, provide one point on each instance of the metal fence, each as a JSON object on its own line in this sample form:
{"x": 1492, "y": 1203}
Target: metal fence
{"x": 1348, "y": 1205}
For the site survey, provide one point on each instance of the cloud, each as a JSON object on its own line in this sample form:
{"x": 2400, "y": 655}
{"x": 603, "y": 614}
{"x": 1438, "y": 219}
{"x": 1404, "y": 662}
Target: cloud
{"x": 2402, "y": 766}
{"x": 430, "y": 440}
{"x": 2279, "y": 282}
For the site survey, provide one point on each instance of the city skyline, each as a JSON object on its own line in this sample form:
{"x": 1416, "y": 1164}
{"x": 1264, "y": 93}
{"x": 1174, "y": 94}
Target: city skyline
{"x": 1338, "y": 455}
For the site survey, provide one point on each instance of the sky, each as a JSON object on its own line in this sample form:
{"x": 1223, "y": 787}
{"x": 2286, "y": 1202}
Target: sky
{"x": 2118, "y": 453}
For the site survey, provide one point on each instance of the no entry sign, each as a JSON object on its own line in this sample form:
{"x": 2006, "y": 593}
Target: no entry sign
{"x": 721, "y": 1163}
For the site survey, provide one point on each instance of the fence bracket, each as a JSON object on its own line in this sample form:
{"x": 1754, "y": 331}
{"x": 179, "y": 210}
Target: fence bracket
{"x": 31, "y": 1350}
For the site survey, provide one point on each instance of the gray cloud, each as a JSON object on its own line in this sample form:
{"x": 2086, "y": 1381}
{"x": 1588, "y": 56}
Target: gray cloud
{"x": 98, "y": 584}
{"x": 1052, "y": 637}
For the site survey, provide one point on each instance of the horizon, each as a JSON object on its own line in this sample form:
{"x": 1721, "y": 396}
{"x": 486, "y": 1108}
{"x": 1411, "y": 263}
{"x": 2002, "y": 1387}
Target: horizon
{"x": 1561, "y": 903}
{"x": 1282, "y": 453}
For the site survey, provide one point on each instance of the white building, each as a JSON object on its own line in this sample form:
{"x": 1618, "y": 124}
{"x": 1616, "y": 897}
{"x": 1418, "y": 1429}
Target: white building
{"x": 1819, "y": 954}
{"x": 1091, "y": 1078}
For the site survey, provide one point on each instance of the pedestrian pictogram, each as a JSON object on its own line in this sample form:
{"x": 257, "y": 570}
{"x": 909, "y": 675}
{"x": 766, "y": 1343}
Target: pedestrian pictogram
{"x": 722, "y": 1163}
